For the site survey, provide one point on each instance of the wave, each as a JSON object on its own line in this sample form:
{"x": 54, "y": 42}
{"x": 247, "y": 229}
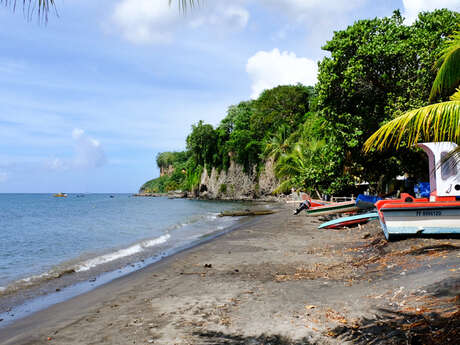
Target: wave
{"x": 195, "y": 227}
{"x": 81, "y": 267}
{"x": 134, "y": 249}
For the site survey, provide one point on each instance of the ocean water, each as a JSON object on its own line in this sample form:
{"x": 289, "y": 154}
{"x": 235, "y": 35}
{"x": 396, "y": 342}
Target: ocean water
{"x": 45, "y": 238}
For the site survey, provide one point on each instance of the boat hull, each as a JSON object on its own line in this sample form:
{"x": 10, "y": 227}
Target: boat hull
{"x": 332, "y": 209}
{"x": 347, "y": 221}
{"x": 415, "y": 219}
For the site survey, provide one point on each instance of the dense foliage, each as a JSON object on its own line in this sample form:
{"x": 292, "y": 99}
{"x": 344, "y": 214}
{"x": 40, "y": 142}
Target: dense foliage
{"x": 377, "y": 69}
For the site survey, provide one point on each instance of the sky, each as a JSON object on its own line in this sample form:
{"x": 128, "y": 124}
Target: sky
{"x": 88, "y": 99}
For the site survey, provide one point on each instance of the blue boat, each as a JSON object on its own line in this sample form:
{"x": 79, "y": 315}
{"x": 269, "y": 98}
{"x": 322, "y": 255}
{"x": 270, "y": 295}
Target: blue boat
{"x": 365, "y": 202}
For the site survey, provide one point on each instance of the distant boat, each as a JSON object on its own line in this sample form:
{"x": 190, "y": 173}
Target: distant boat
{"x": 440, "y": 214}
{"x": 347, "y": 221}
{"x": 60, "y": 195}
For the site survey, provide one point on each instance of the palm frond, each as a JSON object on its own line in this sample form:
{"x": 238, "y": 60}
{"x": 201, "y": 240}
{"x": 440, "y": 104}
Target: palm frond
{"x": 452, "y": 158}
{"x": 185, "y": 4}
{"x": 455, "y": 96}
{"x": 30, "y": 7}
{"x": 435, "y": 122}
{"x": 448, "y": 76}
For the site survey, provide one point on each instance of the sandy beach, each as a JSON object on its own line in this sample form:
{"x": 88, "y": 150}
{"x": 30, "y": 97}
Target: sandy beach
{"x": 276, "y": 280}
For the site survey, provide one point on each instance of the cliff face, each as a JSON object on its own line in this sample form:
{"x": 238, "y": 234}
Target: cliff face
{"x": 237, "y": 184}
{"x": 166, "y": 170}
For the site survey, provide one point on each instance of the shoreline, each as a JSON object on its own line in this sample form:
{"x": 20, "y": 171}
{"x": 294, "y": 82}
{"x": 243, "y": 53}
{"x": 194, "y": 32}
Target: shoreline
{"x": 60, "y": 286}
{"x": 277, "y": 277}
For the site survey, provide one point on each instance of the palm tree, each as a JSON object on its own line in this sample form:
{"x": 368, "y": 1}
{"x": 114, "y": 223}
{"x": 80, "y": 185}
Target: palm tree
{"x": 435, "y": 122}
{"x": 278, "y": 144}
{"x": 294, "y": 166}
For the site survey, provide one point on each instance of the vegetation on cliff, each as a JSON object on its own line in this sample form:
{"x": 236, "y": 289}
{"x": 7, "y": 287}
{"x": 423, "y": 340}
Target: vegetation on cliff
{"x": 377, "y": 70}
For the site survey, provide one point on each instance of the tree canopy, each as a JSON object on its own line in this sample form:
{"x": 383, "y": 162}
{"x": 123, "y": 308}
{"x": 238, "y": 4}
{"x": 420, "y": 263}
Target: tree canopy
{"x": 434, "y": 122}
{"x": 378, "y": 68}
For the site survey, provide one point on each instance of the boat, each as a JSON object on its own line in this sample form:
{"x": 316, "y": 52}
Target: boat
{"x": 347, "y": 221}
{"x": 438, "y": 214}
{"x": 60, "y": 195}
{"x": 306, "y": 204}
{"x": 338, "y": 207}
{"x": 365, "y": 202}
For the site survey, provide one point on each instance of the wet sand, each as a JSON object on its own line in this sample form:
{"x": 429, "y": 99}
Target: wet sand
{"x": 277, "y": 280}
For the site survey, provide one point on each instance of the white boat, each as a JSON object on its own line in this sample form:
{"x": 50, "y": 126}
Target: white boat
{"x": 440, "y": 214}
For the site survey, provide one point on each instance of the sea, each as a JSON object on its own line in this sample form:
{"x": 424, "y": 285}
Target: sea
{"x": 59, "y": 247}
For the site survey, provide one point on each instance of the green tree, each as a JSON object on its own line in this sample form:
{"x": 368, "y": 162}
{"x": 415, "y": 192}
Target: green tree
{"x": 201, "y": 143}
{"x": 435, "y": 122}
{"x": 378, "y": 67}
{"x": 313, "y": 161}
{"x": 282, "y": 105}
{"x": 242, "y": 144}
{"x": 166, "y": 159}
{"x": 278, "y": 144}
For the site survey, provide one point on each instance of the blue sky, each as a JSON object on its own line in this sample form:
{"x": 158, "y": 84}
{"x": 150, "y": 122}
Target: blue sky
{"x": 88, "y": 100}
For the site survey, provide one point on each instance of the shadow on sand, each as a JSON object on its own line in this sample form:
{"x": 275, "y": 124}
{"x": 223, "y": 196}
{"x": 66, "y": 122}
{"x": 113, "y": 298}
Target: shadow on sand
{"x": 218, "y": 338}
{"x": 437, "y": 321}
{"x": 397, "y": 328}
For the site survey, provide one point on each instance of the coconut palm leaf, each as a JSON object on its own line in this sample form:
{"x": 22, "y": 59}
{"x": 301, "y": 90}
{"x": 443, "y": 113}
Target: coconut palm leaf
{"x": 44, "y": 6}
{"x": 30, "y": 6}
{"x": 448, "y": 76}
{"x": 185, "y": 4}
{"x": 452, "y": 158}
{"x": 435, "y": 122}
{"x": 278, "y": 144}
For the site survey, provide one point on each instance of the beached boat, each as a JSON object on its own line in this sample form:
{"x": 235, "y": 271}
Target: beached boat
{"x": 366, "y": 202}
{"x": 347, "y": 221}
{"x": 60, "y": 195}
{"x": 339, "y": 207}
{"x": 440, "y": 214}
{"x": 306, "y": 204}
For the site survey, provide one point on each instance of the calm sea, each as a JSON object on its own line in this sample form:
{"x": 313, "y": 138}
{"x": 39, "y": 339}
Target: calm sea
{"x": 45, "y": 238}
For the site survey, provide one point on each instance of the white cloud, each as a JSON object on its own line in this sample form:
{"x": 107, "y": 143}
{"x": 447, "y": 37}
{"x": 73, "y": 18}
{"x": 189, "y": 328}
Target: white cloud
{"x": 145, "y": 21}
{"x": 88, "y": 151}
{"x": 88, "y": 154}
{"x": 270, "y": 69}
{"x": 149, "y": 21}
{"x": 413, "y": 7}
{"x": 57, "y": 164}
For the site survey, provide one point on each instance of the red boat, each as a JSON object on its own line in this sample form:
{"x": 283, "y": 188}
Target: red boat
{"x": 440, "y": 214}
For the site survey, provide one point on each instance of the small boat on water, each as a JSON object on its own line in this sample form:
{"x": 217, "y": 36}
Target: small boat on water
{"x": 347, "y": 221}
{"x": 60, "y": 195}
{"x": 440, "y": 214}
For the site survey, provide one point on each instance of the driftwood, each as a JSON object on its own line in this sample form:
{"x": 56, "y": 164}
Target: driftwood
{"x": 245, "y": 213}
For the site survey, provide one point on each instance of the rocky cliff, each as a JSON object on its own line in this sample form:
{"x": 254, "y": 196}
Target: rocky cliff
{"x": 236, "y": 184}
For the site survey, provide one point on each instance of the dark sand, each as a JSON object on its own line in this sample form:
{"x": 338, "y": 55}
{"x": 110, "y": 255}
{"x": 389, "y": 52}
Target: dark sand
{"x": 278, "y": 280}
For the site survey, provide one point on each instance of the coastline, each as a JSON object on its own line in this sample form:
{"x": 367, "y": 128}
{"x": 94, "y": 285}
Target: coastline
{"x": 276, "y": 277}
{"x": 88, "y": 271}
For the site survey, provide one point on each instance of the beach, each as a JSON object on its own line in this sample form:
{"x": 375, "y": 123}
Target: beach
{"x": 275, "y": 280}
